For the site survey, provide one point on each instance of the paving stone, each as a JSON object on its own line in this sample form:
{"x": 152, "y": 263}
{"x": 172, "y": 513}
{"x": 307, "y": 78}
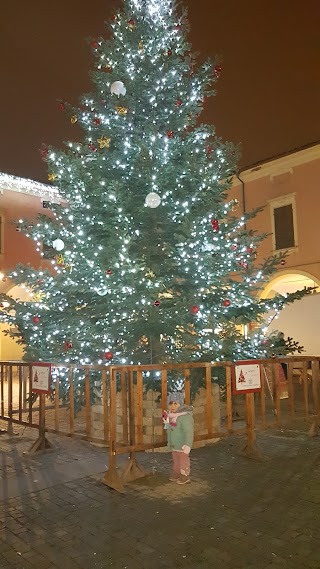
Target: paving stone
{"x": 236, "y": 514}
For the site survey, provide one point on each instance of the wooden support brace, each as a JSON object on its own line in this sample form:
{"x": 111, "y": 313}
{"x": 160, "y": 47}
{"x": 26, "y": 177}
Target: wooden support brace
{"x": 314, "y": 429}
{"x": 133, "y": 470}
{"x": 42, "y": 444}
{"x": 113, "y": 479}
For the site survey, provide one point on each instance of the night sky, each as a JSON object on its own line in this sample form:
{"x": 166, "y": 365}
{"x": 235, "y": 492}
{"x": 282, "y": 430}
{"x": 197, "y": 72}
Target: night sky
{"x": 268, "y": 95}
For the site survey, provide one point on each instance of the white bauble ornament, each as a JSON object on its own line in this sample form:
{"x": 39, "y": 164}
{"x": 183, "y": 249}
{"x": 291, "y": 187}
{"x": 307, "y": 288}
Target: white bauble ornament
{"x": 101, "y": 291}
{"x": 58, "y": 244}
{"x": 210, "y": 247}
{"x": 153, "y": 200}
{"x": 118, "y": 88}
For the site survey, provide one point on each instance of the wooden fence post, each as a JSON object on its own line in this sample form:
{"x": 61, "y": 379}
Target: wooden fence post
{"x": 133, "y": 470}
{"x": 290, "y": 388}
{"x": 71, "y": 400}
{"x": 276, "y": 391}
{"x": 314, "y": 431}
{"x": 305, "y": 389}
{"x": 251, "y": 449}
{"x": 41, "y": 444}
{"x": 10, "y": 414}
{"x": 111, "y": 477}
{"x": 105, "y": 405}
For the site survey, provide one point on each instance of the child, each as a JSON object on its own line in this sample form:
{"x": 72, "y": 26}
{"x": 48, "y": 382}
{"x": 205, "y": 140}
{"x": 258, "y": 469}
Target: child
{"x": 180, "y": 429}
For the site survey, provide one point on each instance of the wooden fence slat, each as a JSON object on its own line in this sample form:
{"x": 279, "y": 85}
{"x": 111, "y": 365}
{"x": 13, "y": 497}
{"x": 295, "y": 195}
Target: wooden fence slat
{"x": 124, "y": 406}
{"x": 71, "y": 401}
{"x": 132, "y": 427}
{"x": 209, "y": 400}
{"x": 56, "y": 404}
{"x": 87, "y": 401}
{"x": 20, "y": 392}
{"x": 187, "y": 390}
{"x": 139, "y": 406}
{"x": 305, "y": 388}
{"x": 229, "y": 397}
{"x": 164, "y": 390}
{"x": 30, "y": 417}
{"x": 2, "y": 390}
{"x": 276, "y": 391}
{"x": 105, "y": 405}
{"x": 263, "y": 399}
{"x": 315, "y": 386}
{"x": 290, "y": 388}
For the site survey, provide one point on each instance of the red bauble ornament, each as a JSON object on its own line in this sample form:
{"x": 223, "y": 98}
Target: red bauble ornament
{"x": 234, "y": 247}
{"x": 92, "y": 147}
{"x": 217, "y": 71}
{"x": 97, "y": 121}
{"x": 249, "y": 249}
{"x": 62, "y": 106}
{"x": 67, "y": 345}
{"x": 44, "y": 152}
{"x": 179, "y": 102}
{"x": 109, "y": 272}
{"x": 226, "y": 303}
{"x": 36, "y": 319}
{"x": 94, "y": 44}
{"x": 131, "y": 23}
{"x": 170, "y": 134}
{"x": 169, "y": 52}
{"x": 108, "y": 356}
{"x": 209, "y": 149}
{"x": 215, "y": 224}
{"x": 243, "y": 264}
{"x": 195, "y": 309}
{"x": 156, "y": 303}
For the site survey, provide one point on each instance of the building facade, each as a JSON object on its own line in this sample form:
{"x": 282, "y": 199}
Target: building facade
{"x": 288, "y": 187}
{"x": 19, "y": 199}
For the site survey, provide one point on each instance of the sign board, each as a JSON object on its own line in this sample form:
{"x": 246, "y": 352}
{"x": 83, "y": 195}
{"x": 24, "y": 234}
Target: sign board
{"x": 246, "y": 377}
{"x": 41, "y": 377}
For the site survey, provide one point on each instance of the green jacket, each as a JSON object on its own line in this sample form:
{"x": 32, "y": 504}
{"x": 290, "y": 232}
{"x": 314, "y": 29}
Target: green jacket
{"x": 181, "y": 429}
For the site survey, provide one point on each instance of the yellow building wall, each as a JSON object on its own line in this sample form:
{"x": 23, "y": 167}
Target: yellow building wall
{"x": 9, "y": 349}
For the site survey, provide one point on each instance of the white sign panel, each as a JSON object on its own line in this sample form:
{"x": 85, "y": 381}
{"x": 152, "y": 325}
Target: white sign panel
{"x": 41, "y": 378}
{"x": 247, "y": 376}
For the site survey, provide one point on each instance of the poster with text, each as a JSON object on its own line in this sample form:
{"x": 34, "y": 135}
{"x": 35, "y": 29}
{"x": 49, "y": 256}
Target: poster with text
{"x": 41, "y": 378}
{"x": 247, "y": 377}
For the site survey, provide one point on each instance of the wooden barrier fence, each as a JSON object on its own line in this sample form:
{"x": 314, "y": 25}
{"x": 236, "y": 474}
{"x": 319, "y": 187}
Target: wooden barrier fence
{"x": 123, "y": 395}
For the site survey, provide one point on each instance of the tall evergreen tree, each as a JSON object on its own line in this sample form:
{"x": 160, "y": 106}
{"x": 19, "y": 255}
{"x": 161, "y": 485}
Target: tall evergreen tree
{"x": 149, "y": 261}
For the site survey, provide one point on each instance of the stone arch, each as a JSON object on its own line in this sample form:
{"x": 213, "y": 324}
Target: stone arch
{"x": 9, "y": 349}
{"x": 290, "y": 280}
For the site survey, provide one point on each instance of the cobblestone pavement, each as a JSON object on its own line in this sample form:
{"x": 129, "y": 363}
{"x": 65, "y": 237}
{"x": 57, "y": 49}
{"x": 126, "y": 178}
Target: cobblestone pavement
{"x": 236, "y": 513}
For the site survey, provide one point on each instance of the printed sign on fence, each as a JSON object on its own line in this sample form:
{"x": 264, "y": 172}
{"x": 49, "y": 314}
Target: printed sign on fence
{"x": 41, "y": 378}
{"x": 246, "y": 377}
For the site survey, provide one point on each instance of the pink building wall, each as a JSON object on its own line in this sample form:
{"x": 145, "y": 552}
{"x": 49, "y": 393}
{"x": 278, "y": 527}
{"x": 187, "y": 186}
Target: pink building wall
{"x": 297, "y": 174}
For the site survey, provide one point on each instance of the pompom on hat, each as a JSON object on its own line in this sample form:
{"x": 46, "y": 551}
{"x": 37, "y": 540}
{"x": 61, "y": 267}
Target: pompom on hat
{"x": 176, "y": 397}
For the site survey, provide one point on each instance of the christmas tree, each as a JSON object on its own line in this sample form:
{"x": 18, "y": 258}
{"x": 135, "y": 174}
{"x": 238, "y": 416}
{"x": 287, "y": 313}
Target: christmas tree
{"x": 148, "y": 260}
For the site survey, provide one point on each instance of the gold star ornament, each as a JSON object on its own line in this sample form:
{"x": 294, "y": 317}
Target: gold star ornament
{"x": 122, "y": 110}
{"x": 104, "y": 142}
{"x": 52, "y": 177}
{"x": 74, "y": 119}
